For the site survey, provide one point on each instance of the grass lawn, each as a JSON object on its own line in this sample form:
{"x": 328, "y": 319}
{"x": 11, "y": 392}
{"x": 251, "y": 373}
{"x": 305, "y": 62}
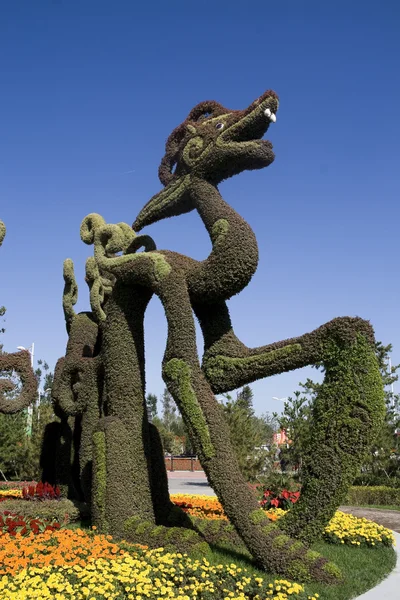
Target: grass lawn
{"x": 363, "y": 568}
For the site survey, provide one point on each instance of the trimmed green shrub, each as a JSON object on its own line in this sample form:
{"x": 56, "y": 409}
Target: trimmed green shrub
{"x": 173, "y": 539}
{"x": 65, "y": 511}
{"x": 364, "y": 495}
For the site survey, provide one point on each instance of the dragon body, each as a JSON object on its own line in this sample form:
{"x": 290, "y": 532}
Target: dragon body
{"x": 212, "y": 144}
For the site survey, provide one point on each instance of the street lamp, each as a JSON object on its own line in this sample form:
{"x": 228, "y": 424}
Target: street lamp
{"x": 31, "y": 351}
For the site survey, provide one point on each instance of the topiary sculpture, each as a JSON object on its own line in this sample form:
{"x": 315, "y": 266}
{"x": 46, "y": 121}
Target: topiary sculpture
{"x": 19, "y": 363}
{"x": 214, "y": 143}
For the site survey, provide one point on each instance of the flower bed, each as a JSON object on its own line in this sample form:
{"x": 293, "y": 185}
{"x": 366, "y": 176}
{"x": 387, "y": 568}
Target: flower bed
{"x": 342, "y": 529}
{"x": 41, "y": 491}
{"x": 41, "y": 560}
{"x": 13, "y": 525}
{"x": 15, "y": 485}
{"x": 205, "y": 507}
{"x": 11, "y": 493}
{"x": 73, "y": 564}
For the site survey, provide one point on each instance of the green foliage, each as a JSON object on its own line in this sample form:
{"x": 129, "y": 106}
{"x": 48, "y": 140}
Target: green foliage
{"x": 151, "y": 402}
{"x": 114, "y": 482}
{"x": 2, "y": 328}
{"x": 381, "y": 464}
{"x": 2, "y": 232}
{"x": 20, "y": 448}
{"x": 179, "y": 372}
{"x": 200, "y": 153}
{"x": 296, "y": 420}
{"x": 244, "y": 398}
{"x": 347, "y": 415}
{"x": 13, "y": 445}
{"x": 172, "y": 539}
{"x": 248, "y": 433}
{"x": 217, "y": 532}
{"x": 168, "y": 409}
{"x": 383, "y": 461}
{"x": 100, "y": 481}
{"x": 173, "y": 432}
{"x": 374, "y": 495}
{"x": 64, "y": 511}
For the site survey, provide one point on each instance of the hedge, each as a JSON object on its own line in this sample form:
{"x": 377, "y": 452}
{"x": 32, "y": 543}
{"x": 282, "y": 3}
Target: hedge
{"x": 378, "y": 495}
{"x": 63, "y": 511}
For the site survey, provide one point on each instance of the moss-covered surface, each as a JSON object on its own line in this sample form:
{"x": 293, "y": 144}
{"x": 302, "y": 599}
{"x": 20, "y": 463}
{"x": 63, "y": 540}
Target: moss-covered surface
{"x": 172, "y": 539}
{"x": 18, "y": 363}
{"x": 179, "y": 372}
{"x": 213, "y": 143}
{"x": 121, "y": 496}
{"x": 2, "y": 232}
{"x": 347, "y": 416}
{"x": 99, "y": 499}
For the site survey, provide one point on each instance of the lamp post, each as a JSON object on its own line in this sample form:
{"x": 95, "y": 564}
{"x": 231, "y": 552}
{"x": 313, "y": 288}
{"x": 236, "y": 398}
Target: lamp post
{"x": 31, "y": 351}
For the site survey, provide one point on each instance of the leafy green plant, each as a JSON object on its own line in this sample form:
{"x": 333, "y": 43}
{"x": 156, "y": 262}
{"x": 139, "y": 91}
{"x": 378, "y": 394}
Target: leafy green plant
{"x": 377, "y": 495}
{"x": 61, "y": 511}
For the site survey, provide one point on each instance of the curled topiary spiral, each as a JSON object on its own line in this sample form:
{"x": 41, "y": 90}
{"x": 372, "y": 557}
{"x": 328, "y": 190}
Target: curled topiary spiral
{"x": 2, "y": 232}
{"x": 70, "y": 295}
{"x": 20, "y": 363}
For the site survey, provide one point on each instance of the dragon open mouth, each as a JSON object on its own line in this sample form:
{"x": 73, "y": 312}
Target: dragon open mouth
{"x": 252, "y": 123}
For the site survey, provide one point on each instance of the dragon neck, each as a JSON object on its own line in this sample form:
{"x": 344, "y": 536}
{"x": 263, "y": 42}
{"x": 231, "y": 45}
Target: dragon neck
{"x": 234, "y": 256}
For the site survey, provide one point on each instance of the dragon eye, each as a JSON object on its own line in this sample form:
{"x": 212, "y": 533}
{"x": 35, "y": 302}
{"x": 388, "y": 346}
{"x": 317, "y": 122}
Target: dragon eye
{"x": 219, "y": 126}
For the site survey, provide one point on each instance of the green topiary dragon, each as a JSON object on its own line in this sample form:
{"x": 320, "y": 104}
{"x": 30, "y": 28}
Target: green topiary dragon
{"x": 102, "y": 378}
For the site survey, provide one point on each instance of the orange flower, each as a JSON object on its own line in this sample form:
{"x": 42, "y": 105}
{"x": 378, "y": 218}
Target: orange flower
{"x": 61, "y": 547}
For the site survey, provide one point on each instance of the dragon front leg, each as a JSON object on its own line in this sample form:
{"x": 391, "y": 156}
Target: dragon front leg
{"x": 203, "y": 415}
{"x": 347, "y": 413}
{"x": 228, "y": 364}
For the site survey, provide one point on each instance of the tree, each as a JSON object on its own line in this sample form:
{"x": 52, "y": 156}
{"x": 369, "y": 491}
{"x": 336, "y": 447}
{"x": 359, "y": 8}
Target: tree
{"x": 248, "y": 433}
{"x": 296, "y": 421}
{"x": 383, "y": 462}
{"x": 244, "y": 398}
{"x": 20, "y": 451}
{"x": 151, "y": 402}
{"x": 13, "y": 447}
{"x": 169, "y": 409}
{"x": 42, "y": 415}
{"x": 174, "y": 436}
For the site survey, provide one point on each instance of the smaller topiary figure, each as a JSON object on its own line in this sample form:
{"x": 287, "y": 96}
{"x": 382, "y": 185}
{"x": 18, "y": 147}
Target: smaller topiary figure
{"x": 19, "y": 363}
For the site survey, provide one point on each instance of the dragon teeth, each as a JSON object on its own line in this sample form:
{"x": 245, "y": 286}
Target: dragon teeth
{"x": 271, "y": 116}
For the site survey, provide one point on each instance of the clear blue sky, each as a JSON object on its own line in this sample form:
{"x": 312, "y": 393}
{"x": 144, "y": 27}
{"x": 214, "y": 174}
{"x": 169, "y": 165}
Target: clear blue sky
{"x": 91, "y": 89}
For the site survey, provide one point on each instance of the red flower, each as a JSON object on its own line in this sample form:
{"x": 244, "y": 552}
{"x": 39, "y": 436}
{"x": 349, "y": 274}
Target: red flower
{"x": 275, "y": 502}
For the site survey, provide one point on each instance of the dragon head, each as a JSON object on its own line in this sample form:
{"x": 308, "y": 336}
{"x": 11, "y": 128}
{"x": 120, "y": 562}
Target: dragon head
{"x": 213, "y": 143}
